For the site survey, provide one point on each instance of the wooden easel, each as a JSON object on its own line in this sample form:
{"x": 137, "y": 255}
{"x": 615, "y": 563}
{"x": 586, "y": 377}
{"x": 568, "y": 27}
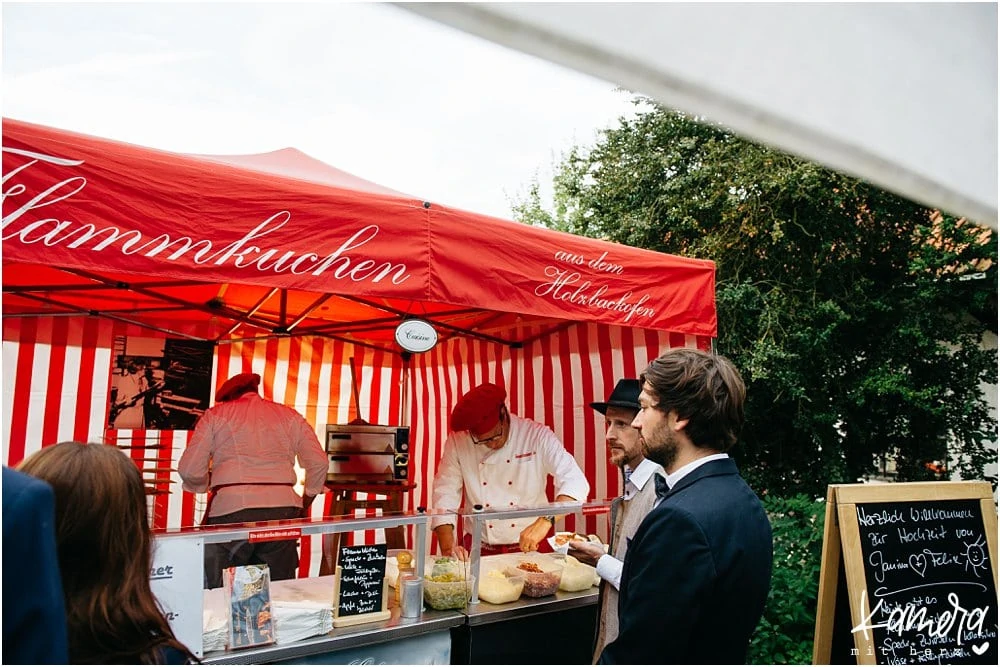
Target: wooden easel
{"x": 845, "y": 604}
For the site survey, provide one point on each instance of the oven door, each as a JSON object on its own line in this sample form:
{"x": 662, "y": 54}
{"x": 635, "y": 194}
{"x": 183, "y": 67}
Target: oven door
{"x": 360, "y": 467}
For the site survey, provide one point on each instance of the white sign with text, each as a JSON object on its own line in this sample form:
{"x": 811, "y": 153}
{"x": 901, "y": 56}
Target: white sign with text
{"x": 176, "y": 578}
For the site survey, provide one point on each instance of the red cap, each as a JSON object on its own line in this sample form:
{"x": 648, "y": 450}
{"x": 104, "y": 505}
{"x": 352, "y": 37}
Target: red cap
{"x": 237, "y": 386}
{"x": 479, "y": 410}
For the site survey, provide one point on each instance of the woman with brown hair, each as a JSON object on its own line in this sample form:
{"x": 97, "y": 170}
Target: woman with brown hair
{"x": 105, "y": 554}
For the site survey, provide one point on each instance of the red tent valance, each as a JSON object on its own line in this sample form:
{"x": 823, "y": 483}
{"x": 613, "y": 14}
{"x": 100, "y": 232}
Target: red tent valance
{"x": 84, "y": 218}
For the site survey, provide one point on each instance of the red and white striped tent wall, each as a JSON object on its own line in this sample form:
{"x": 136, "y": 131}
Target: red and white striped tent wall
{"x": 293, "y": 269}
{"x": 56, "y": 374}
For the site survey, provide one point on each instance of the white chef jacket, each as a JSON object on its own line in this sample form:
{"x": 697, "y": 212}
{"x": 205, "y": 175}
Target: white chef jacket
{"x": 250, "y": 439}
{"x": 512, "y": 476}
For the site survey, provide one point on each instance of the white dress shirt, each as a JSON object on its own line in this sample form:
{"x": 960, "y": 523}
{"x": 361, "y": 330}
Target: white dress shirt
{"x": 250, "y": 439}
{"x": 512, "y": 476}
{"x": 683, "y": 471}
{"x": 609, "y": 568}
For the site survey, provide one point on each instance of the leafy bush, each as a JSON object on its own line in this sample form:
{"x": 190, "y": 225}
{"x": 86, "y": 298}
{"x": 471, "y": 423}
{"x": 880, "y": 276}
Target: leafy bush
{"x": 785, "y": 633}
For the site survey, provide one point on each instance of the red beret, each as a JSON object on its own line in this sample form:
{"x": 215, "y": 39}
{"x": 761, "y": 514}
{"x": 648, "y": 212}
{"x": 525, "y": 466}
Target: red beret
{"x": 237, "y": 386}
{"x": 479, "y": 410}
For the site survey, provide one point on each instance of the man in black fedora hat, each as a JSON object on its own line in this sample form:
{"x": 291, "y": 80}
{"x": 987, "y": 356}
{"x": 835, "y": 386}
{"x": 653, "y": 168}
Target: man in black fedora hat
{"x": 628, "y": 510}
{"x": 700, "y": 562}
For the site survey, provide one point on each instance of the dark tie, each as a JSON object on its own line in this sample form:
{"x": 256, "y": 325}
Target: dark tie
{"x": 662, "y": 490}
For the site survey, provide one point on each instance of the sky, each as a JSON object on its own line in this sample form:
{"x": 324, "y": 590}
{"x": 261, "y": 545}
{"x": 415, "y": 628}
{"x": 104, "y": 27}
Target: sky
{"x": 368, "y": 88}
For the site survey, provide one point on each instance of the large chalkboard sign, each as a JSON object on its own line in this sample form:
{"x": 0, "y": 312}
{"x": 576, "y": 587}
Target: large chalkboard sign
{"x": 360, "y": 593}
{"x": 918, "y": 576}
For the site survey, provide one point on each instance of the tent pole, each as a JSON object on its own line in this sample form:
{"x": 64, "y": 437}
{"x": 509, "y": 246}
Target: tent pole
{"x": 253, "y": 310}
{"x": 308, "y": 311}
{"x": 222, "y": 310}
{"x": 394, "y": 319}
{"x": 377, "y": 322}
{"x": 90, "y": 286}
{"x": 342, "y": 339}
{"x": 119, "y": 318}
{"x": 486, "y": 322}
{"x": 151, "y": 309}
{"x": 218, "y": 311}
{"x": 555, "y": 329}
{"x": 42, "y": 313}
{"x": 404, "y": 394}
{"x": 443, "y": 325}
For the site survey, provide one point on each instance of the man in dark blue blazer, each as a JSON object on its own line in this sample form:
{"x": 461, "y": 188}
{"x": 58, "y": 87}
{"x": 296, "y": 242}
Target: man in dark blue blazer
{"x": 697, "y": 573}
{"x": 34, "y": 617}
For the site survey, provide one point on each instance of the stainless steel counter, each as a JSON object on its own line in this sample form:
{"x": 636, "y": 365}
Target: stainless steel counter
{"x": 484, "y": 612}
{"x": 430, "y": 620}
{"x": 342, "y": 638}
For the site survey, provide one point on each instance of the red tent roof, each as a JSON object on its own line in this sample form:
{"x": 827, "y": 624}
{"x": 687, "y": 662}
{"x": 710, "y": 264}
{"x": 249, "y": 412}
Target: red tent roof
{"x": 293, "y": 163}
{"x": 277, "y": 243}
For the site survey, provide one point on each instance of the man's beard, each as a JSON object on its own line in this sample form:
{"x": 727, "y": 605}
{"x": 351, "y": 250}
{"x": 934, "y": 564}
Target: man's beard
{"x": 617, "y": 457}
{"x": 664, "y": 454}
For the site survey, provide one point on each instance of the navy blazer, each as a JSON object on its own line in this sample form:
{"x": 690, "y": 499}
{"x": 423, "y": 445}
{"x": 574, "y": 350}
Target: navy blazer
{"x": 34, "y": 616}
{"x": 696, "y": 574}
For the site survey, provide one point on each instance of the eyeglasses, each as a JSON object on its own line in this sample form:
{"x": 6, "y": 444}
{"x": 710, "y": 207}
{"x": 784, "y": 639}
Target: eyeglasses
{"x": 496, "y": 435}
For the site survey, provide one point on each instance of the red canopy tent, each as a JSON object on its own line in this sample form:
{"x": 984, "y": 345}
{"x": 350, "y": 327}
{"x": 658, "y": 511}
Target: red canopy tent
{"x": 293, "y": 268}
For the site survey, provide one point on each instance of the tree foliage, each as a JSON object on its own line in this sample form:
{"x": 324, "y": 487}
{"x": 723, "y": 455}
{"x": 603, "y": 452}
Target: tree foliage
{"x": 784, "y": 635}
{"x": 849, "y": 310}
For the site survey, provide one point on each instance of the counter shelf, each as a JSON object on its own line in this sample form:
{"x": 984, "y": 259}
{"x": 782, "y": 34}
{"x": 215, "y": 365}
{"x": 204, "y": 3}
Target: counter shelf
{"x": 484, "y": 612}
{"x": 339, "y": 639}
{"x": 476, "y": 631}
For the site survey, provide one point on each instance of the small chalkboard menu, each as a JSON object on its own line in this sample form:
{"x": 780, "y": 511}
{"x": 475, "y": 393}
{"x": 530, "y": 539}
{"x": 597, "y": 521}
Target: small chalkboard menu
{"x": 918, "y": 575}
{"x": 360, "y": 591}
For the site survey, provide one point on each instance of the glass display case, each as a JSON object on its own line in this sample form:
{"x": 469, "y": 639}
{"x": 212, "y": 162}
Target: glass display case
{"x": 494, "y": 633}
{"x": 476, "y": 633}
{"x": 177, "y": 578}
{"x": 479, "y": 517}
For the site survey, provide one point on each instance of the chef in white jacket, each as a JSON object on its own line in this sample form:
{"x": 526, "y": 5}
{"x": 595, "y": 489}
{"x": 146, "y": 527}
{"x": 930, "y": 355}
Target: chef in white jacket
{"x": 500, "y": 460}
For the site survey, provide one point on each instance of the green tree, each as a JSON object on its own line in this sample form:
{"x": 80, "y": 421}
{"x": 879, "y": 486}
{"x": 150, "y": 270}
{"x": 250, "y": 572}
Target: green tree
{"x": 849, "y": 310}
{"x": 785, "y": 633}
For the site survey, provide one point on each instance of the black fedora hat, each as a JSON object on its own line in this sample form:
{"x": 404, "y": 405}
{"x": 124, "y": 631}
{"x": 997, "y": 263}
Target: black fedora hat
{"x": 625, "y": 395}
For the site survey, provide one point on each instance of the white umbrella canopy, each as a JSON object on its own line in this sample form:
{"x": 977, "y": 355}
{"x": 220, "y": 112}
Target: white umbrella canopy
{"x": 903, "y": 95}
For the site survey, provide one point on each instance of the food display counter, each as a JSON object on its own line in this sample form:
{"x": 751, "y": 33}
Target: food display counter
{"x": 422, "y": 640}
{"x": 478, "y": 633}
{"x": 554, "y": 630}
{"x": 177, "y": 578}
{"x": 516, "y": 632}
{"x": 484, "y": 612}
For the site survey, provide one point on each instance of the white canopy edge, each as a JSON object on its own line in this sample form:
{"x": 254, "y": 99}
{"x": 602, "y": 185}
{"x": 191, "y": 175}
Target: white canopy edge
{"x": 903, "y": 95}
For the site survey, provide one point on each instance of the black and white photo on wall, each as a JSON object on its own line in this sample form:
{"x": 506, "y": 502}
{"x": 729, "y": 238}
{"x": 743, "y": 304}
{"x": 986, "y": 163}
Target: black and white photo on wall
{"x": 159, "y": 383}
